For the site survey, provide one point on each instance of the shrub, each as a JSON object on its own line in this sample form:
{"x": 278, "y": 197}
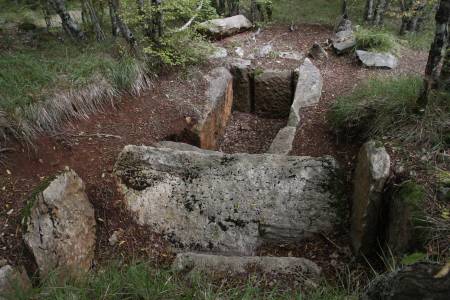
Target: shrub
{"x": 375, "y": 40}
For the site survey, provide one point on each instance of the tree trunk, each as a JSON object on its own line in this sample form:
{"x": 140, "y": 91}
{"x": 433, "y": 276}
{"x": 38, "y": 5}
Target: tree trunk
{"x": 413, "y": 16}
{"x": 113, "y": 15}
{"x": 70, "y": 26}
{"x": 157, "y": 29}
{"x": 380, "y": 11}
{"x": 253, "y": 10}
{"x": 219, "y": 6}
{"x": 369, "y": 11}
{"x": 444, "y": 80}
{"x": 47, "y": 14}
{"x": 122, "y": 27}
{"x": 344, "y": 9}
{"x": 93, "y": 20}
{"x": 435, "y": 54}
{"x": 233, "y": 7}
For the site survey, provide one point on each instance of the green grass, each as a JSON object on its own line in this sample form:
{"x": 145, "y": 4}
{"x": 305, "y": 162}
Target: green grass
{"x": 141, "y": 281}
{"x": 371, "y": 39}
{"x": 386, "y": 107}
{"x": 29, "y": 75}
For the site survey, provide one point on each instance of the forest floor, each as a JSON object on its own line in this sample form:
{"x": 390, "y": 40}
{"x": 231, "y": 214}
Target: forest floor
{"x": 91, "y": 146}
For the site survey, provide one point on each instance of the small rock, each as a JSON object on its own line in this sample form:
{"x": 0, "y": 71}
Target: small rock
{"x": 11, "y": 279}
{"x": 317, "y": 52}
{"x": 219, "y": 52}
{"x": 239, "y": 51}
{"x": 443, "y": 193}
{"x": 264, "y": 51}
{"x": 294, "y": 55}
{"x": 115, "y": 237}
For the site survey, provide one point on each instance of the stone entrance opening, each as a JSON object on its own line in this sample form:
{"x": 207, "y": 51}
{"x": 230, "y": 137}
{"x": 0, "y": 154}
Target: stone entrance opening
{"x": 254, "y": 110}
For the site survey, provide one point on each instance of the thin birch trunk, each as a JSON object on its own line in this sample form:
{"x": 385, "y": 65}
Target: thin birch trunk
{"x": 70, "y": 26}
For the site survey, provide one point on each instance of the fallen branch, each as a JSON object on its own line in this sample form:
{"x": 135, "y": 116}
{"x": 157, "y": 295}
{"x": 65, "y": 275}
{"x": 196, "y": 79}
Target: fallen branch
{"x": 186, "y": 26}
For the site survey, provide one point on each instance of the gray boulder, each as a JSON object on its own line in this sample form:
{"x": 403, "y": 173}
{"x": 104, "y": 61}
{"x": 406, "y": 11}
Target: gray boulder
{"x": 232, "y": 203}
{"x": 343, "y": 41}
{"x": 217, "y": 111}
{"x": 10, "y": 278}
{"x": 415, "y": 282}
{"x": 307, "y": 92}
{"x": 273, "y": 93}
{"x": 61, "y": 226}
{"x": 219, "y": 28}
{"x": 219, "y": 265}
{"x": 372, "y": 171}
{"x": 264, "y": 51}
{"x": 218, "y": 53}
{"x": 378, "y": 60}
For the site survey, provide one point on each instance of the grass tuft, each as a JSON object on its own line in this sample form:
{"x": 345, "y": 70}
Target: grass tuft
{"x": 139, "y": 280}
{"x": 375, "y": 40}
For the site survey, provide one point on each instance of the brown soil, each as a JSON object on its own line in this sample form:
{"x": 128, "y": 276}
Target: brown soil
{"x": 162, "y": 113}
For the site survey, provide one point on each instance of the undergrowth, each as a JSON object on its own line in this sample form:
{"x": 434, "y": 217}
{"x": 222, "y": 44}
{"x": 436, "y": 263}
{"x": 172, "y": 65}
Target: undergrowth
{"x": 141, "y": 281}
{"x": 386, "y": 107}
{"x": 375, "y": 40}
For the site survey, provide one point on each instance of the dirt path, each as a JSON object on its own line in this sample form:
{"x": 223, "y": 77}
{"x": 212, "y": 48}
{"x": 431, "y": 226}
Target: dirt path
{"x": 91, "y": 146}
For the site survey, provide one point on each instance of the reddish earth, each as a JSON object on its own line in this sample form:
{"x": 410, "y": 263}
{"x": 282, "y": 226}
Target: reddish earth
{"x": 91, "y": 146}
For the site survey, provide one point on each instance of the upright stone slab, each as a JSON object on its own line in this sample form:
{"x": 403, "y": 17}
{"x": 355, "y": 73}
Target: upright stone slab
{"x": 273, "y": 93}
{"x": 61, "y": 226}
{"x": 219, "y": 28}
{"x": 217, "y": 111}
{"x": 231, "y": 203}
{"x": 344, "y": 41}
{"x": 307, "y": 92}
{"x": 242, "y": 76}
{"x": 372, "y": 171}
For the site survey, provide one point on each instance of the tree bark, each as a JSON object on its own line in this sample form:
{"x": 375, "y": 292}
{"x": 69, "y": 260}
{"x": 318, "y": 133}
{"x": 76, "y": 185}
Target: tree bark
{"x": 233, "y": 7}
{"x": 47, "y": 14}
{"x": 70, "y": 26}
{"x": 435, "y": 54}
{"x": 120, "y": 24}
{"x": 413, "y": 15}
{"x": 380, "y": 11}
{"x": 369, "y": 11}
{"x": 444, "y": 80}
{"x": 157, "y": 29}
{"x": 93, "y": 20}
{"x": 344, "y": 9}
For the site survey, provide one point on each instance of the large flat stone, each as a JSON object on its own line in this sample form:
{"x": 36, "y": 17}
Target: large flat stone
{"x": 61, "y": 226}
{"x": 377, "y": 60}
{"x": 273, "y": 93}
{"x": 217, "y": 111}
{"x": 220, "y": 265}
{"x": 219, "y": 28}
{"x": 232, "y": 203}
